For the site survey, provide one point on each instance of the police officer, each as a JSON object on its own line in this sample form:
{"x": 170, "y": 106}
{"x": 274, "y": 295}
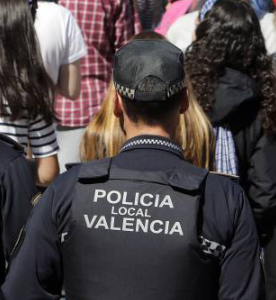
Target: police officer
{"x": 144, "y": 224}
{"x": 17, "y": 188}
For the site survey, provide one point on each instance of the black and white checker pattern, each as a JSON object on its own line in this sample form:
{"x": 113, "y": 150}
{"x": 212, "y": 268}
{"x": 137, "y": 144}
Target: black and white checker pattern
{"x": 152, "y": 142}
{"x": 211, "y": 247}
{"x": 175, "y": 89}
{"x": 124, "y": 91}
{"x": 129, "y": 93}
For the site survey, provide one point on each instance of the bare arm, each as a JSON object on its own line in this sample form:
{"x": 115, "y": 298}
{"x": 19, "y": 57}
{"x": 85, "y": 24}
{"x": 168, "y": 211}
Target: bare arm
{"x": 44, "y": 147}
{"x": 47, "y": 169}
{"x": 69, "y": 80}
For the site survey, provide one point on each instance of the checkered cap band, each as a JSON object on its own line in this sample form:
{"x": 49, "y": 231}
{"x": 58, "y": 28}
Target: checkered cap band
{"x": 175, "y": 89}
{"x": 124, "y": 91}
{"x": 130, "y": 93}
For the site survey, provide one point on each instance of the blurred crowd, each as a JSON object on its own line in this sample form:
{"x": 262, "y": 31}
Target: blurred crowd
{"x": 57, "y": 96}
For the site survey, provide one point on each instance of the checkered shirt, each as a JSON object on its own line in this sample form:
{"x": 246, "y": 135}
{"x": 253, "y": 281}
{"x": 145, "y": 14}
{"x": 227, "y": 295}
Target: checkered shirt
{"x": 226, "y": 159}
{"x": 106, "y": 25}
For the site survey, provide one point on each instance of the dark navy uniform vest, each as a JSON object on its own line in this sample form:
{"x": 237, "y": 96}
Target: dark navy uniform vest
{"x": 7, "y": 156}
{"x": 134, "y": 235}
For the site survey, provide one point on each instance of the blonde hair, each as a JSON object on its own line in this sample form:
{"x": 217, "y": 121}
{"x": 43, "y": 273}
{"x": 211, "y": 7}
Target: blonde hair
{"x": 195, "y": 134}
{"x": 104, "y": 137}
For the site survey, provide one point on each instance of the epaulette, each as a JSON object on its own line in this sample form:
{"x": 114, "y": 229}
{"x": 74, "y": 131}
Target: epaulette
{"x": 230, "y": 176}
{"x": 11, "y": 143}
{"x": 72, "y": 165}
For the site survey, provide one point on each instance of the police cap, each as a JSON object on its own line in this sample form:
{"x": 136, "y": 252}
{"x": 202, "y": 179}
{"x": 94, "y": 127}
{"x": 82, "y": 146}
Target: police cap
{"x": 142, "y": 58}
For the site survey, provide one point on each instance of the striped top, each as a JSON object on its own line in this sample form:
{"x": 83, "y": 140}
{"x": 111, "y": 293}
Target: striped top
{"x": 39, "y": 134}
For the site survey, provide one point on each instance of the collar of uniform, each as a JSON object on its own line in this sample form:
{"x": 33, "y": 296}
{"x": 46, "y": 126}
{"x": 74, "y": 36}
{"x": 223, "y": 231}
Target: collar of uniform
{"x": 184, "y": 176}
{"x": 152, "y": 142}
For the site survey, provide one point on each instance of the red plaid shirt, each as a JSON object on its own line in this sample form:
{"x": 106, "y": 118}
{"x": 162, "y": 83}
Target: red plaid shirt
{"x": 106, "y": 26}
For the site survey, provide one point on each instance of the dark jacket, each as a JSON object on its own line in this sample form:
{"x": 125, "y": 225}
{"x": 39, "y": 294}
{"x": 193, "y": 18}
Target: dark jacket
{"x": 237, "y": 106}
{"x": 77, "y": 233}
{"x": 17, "y": 187}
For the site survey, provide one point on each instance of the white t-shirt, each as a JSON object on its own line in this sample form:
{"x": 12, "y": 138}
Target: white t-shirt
{"x": 59, "y": 36}
{"x": 181, "y": 32}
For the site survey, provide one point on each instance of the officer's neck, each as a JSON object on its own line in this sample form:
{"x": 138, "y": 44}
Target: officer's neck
{"x": 134, "y": 130}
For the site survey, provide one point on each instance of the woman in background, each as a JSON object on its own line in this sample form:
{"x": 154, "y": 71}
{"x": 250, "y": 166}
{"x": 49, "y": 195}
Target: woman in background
{"x": 232, "y": 78}
{"x": 26, "y": 91}
{"x": 103, "y": 136}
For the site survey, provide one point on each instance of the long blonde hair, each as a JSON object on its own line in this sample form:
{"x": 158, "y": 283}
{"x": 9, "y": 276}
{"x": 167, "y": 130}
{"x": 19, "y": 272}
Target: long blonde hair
{"x": 104, "y": 137}
{"x": 195, "y": 134}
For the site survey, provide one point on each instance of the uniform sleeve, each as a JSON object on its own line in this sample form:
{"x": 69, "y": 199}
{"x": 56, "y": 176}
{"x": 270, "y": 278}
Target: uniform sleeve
{"x": 262, "y": 184}
{"x": 75, "y": 46}
{"x": 36, "y": 270}
{"x": 124, "y": 24}
{"x": 18, "y": 191}
{"x": 241, "y": 274}
{"x": 42, "y": 138}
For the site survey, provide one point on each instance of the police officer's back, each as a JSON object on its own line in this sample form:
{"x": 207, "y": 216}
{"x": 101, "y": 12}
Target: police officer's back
{"x": 17, "y": 187}
{"x": 144, "y": 224}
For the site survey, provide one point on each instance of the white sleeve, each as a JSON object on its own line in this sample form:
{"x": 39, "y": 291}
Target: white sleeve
{"x": 75, "y": 46}
{"x": 268, "y": 27}
{"x": 42, "y": 138}
{"x": 59, "y": 36}
{"x": 181, "y": 32}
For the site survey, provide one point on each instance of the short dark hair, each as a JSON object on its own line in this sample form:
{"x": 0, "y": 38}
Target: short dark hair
{"x": 151, "y": 112}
